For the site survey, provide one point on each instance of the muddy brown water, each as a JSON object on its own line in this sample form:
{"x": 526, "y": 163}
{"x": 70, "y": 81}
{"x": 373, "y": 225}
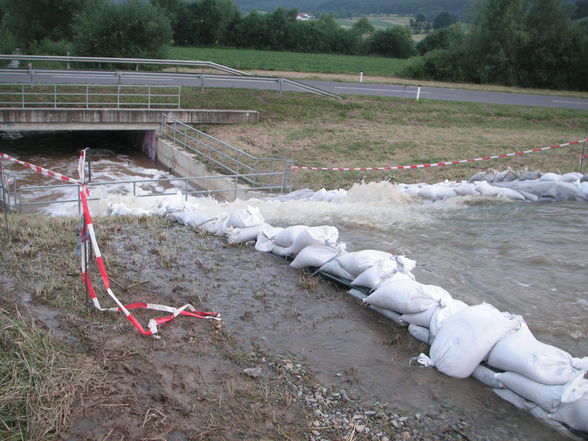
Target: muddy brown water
{"x": 525, "y": 258}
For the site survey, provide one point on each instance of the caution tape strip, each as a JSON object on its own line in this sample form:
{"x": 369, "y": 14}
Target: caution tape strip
{"x": 437, "y": 164}
{"x": 87, "y": 233}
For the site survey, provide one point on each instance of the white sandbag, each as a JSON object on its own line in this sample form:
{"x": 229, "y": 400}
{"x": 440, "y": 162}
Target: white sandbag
{"x": 514, "y": 399}
{"x": 574, "y": 414}
{"x": 550, "y": 177}
{"x": 583, "y": 189}
{"x": 265, "y": 239}
{"x": 120, "y": 209}
{"x": 419, "y": 332}
{"x": 406, "y": 265}
{"x": 571, "y": 177}
{"x": 334, "y": 267}
{"x": 521, "y": 352}
{"x": 317, "y": 255}
{"x": 382, "y": 270}
{"x": 170, "y": 206}
{"x": 242, "y": 235}
{"x": 549, "y": 397}
{"x": 420, "y": 318}
{"x": 288, "y": 235}
{"x": 445, "y": 309}
{"x": 406, "y": 296}
{"x": 466, "y": 337}
{"x": 312, "y": 236}
{"x": 248, "y": 217}
{"x": 510, "y": 194}
{"x": 466, "y": 189}
{"x": 436, "y": 192}
{"x": 358, "y": 261}
{"x": 486, "y": 376}
{"x": 191, "y": 218}
{"x": 217, "y": 225}
{"x": 486, "y": 189}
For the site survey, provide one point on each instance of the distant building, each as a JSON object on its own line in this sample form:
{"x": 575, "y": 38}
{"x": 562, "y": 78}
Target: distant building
{"x": 304, "y": 16}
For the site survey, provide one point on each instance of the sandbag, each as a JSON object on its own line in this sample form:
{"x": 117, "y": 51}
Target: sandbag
{"x": 382, "y": 270}
{"x": 317, "y": 255}
{"x": 217, "y": 225}
{"x": 466, "y": 337}
{"x": 406, "y": 296}
{"x": 571, "y": 177}
{"x": 522, "y": 353}
{"x": 422, "y": 318}
{"x": 486, "y": 189}
{"x": 405, "y": 265}
{"x": 445, "y": 309}
{"x": 549, "y": 177}
{"x": 514, "y": 399}
{"x": 311, "y": 236}
{"x": 191, "y": 218}
{"x": 358, "y": 261}
{"x": 265, "y": 241}
{"x": 574, "y": 414}
{"x": 486, "y": 376}
{"x": 549, "y": 397}
{"x": 419, "y": 332}
{"x": 242, "y": 235}
{"x": 334, "y": 267}
{"x": 466, "y": 189}
{"x": 288, "y": 235}
{"x": 248, "y": 217}
{"x": 436, "y": 192}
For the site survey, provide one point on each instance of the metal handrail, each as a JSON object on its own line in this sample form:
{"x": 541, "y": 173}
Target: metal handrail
{"x": 18, "y": 197}
{"x": 230, "y": 159}
{"x": 113, "y": 60}
{"x": 86, "y": 94}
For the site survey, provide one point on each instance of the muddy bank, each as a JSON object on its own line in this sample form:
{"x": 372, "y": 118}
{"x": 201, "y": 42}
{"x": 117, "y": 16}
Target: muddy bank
{"x": 328, "y": 368}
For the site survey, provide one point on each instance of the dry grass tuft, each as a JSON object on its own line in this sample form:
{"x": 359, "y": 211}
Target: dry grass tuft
{"x": 40, "y": 380}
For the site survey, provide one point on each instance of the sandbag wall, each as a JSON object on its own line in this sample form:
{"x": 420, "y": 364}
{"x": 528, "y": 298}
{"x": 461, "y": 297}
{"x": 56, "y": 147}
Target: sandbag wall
{"x": 495, "y": 347}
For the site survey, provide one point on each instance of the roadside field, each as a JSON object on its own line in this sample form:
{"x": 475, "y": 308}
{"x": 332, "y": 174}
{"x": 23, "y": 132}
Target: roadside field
{"x": 248, "y": 59}
{"x": 378, "y": 21}
{"x": 369, "y": 132}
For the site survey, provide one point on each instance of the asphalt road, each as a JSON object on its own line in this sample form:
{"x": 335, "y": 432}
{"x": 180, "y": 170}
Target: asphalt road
{"x": 338, "y": 88}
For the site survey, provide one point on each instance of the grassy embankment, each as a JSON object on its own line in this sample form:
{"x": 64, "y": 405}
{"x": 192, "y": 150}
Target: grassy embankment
{"x": 368, "y": 132}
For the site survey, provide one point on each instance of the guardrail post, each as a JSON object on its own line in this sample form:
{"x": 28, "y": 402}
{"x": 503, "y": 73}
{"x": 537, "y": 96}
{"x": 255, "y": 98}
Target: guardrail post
{"x": 118, "y": 97}
{"x": 22, "y": 95}
{"x": 149, "y": 97}
{"x": 179, "y": 97}
{"x": 55, "y": 96}
{"x": 202, "y": 82}
{"x": 281, "y": 82}
{"x": 87, "y": 97}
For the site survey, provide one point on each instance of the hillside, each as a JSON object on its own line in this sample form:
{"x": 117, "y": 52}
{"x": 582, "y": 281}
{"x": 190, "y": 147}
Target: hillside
{"x": 352, "y": 7}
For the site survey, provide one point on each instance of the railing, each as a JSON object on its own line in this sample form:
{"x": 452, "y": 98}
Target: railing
{"x": 19, "y": 198}
{"x": 225, "y": 158}
{"x": 89, "y": 96}
{"x": 109, "y": 60}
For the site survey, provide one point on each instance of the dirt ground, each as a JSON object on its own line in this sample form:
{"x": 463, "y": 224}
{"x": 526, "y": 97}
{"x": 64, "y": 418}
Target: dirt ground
{"x": 244, "y": 378}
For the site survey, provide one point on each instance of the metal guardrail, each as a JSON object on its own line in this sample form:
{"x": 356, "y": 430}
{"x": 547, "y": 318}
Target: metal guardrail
{"x": 111, "y": 60}
{"x": 89, "y": 96}
{"x": 19, "y": 198}
{"x": 233, "y": 73}
{"x": 227, "y": 158}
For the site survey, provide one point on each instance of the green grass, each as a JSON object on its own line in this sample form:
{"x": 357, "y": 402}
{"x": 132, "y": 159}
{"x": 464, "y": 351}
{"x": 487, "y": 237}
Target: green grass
{"x": 247, "y": 59}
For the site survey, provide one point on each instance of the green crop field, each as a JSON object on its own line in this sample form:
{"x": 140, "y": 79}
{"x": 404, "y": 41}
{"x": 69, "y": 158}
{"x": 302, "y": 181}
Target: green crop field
{"x": 378, "y": 21}
{"x": 246, "y": 59}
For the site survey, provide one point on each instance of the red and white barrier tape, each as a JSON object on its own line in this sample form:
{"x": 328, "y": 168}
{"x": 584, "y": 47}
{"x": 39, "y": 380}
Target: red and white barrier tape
{"x": 41, "y": 170}
{"x": 87, "y": 233}
{"x": 437, "y": 164}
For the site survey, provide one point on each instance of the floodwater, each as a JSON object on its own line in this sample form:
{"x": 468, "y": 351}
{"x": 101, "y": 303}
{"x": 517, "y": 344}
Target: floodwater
{"x": 525, "y": 258}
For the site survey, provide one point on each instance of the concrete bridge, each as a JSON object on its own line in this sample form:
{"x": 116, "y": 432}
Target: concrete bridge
{"x": 49, "y": 119}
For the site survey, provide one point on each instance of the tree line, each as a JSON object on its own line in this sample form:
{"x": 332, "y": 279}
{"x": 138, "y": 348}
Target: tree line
{"x": 531, "y": 43}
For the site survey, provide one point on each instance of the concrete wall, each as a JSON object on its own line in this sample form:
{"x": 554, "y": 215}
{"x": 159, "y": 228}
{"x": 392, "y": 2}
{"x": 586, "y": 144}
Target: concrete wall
{"x": 115, "y": 119}
{"x": 184, "y": 164}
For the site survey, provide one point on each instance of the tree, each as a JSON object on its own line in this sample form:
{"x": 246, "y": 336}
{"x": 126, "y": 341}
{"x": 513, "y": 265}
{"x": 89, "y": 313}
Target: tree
{"x": 129, "y": 29}
{"x": 362, "y": 28}
{"x": 499, "y": 39}
{"x": 581, "y": 9}
{"x": 443, "y": 20}
{"x": 443, "y": 38}
{"x": 395, "y": 42}
{"x": 554, "y": 48}
{"x": 33, "y": 20}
